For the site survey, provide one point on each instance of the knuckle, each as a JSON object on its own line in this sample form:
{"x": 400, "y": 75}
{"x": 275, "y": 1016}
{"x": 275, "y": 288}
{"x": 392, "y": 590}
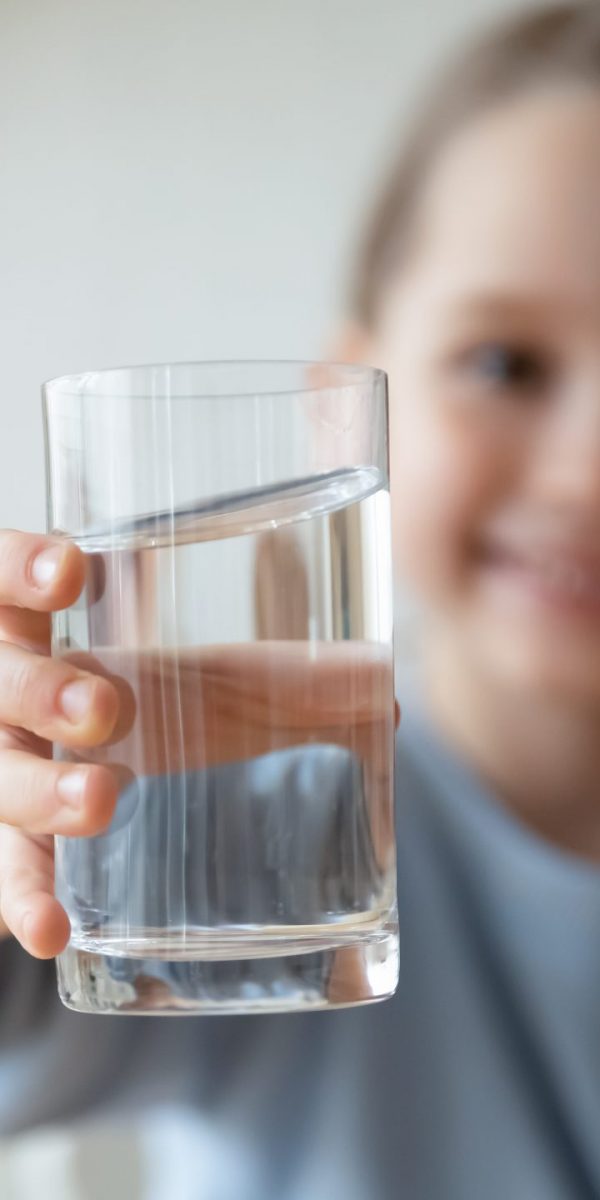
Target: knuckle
{"x": 28, "y": 685}
{"x": 27, "y": 688}
{"x": 14, "y": 878}
{"x": 20, "y": 685}
{"x": 26, "y": 791}
{"x": 37, "y": 798}
{"x": 15, "y": 881}
{"x": 9, "y": 540}
{"x": 14, "y": 554}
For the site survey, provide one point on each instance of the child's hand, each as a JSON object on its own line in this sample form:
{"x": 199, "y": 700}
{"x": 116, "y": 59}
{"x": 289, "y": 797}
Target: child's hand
{"x": 42, "y": 700}
{"x": 213, "y": 705}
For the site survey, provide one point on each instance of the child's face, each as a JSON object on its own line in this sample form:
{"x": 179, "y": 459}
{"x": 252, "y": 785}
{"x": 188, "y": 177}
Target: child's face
{"x": 492, "y": 342}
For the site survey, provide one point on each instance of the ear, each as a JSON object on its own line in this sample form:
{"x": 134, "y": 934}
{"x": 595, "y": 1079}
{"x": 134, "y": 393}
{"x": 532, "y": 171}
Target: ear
{"x": 352, "y": 344}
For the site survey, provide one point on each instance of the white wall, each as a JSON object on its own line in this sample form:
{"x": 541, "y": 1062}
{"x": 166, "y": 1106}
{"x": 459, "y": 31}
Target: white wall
{"x": 184, "y": 178}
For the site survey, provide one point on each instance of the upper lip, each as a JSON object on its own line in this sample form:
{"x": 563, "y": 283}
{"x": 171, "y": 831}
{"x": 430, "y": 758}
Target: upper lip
{"x": 577, "y": 561}
{"x": 543, "y": 555}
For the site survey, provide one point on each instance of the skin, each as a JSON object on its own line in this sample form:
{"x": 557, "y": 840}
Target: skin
{"x": 491, "y": 337}
{"x": 31, "y": 715}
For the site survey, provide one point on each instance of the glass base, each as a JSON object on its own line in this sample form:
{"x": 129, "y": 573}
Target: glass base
{"x": 360, "y": 970}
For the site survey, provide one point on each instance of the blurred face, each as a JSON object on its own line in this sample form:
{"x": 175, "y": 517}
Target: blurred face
{"x": 492, "y": 342}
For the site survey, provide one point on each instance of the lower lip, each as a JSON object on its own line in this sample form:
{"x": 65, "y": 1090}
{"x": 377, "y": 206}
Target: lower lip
{"x": 522, "y": 584}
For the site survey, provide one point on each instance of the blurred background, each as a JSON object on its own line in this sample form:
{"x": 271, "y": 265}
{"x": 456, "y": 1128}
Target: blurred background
{"x": 186, "y": 179}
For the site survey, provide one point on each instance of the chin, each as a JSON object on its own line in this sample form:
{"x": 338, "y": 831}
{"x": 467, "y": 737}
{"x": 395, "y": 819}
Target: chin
{"x": 549, "y": 669}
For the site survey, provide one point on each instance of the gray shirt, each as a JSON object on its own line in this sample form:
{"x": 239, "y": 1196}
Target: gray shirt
{"x": 480, "y": 1079}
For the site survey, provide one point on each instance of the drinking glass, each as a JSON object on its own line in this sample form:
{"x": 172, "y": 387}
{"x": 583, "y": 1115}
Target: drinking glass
{"x": 234, "y": 519}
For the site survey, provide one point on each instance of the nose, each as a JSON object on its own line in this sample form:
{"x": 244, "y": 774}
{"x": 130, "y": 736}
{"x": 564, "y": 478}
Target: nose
{"x": 565, "y": 464}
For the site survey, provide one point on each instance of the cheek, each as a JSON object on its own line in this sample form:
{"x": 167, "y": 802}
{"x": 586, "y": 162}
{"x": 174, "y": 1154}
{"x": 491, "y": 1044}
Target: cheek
{"x": 444, "y": 483}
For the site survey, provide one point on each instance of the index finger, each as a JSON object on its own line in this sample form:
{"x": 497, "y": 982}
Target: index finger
{"x": 37, "y": 572}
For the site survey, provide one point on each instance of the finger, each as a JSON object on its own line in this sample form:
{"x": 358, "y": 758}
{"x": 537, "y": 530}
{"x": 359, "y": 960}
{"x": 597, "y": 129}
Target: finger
{"x": 25, "y": 628}
{"x": 84, "y": 661}
{"x": 52, "y": 797}
{"x": 28, "y": 906}
{"x": 41, "y": 573}
{"x": 54, "y": 700}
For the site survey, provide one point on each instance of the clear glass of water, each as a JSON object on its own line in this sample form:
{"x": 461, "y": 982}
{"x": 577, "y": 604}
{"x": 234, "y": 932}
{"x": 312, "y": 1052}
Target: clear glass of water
{"x": 235, "y": 522}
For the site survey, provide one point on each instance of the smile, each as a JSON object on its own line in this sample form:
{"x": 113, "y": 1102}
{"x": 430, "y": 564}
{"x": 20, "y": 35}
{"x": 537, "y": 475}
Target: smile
{"x": 559, "y": 579}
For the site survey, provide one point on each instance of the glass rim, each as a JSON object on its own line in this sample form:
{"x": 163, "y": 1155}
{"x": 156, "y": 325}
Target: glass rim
{"x": 76, "y": 384}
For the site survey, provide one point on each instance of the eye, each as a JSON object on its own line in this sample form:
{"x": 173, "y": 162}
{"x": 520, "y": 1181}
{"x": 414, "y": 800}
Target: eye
{"x": 508, "y": 367}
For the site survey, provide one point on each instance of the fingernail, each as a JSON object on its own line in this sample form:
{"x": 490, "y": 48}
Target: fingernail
{"x": 45, "y": 565}
{"x": 71, "y": 787}
{"x": 76, "y": 700}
